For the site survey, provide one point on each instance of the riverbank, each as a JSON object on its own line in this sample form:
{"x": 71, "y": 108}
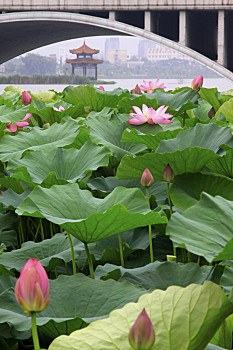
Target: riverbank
{"x": 50, "y": 79}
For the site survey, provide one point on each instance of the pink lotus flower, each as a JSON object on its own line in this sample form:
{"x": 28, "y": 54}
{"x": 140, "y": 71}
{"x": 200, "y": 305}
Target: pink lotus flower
{"x": 26, "y": 98}
{"x": 150, "y": 116}
{"x": 13, "y": 127}
{"x": 101, "y": 88}
{"x": 147, "y": 178}
{"x": 197, "y": 83}
{"x": 60, "y": 109}
{"x": 142, "y": 333}
{"x": 149, "y": 86}
{"x": 32, "y": 287}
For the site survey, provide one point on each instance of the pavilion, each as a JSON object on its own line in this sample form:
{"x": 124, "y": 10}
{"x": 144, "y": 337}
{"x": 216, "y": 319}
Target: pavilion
{"x": 84, "y": 59}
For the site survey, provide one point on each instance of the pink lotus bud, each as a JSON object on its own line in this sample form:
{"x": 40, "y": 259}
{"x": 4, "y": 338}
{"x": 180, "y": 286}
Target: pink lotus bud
{"x": 32, "y": 287}
{"x": 142, "y": 333}
{"x": 197, "y": 83}
{"x": 101, "y": 88}
{"x": 136, "y": 90}
{"x": 211, "y": 113}
{"x": 168, "y": 173}
{"x": 147, "y": 178}
{"x": 26, "y": 98}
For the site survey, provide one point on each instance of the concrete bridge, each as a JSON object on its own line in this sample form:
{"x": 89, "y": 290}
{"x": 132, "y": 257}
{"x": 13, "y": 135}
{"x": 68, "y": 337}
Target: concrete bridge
{"x": 201, "y": 29}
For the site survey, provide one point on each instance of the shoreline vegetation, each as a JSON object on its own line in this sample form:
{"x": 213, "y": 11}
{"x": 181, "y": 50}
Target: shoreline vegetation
{"x": 50, "y": 79}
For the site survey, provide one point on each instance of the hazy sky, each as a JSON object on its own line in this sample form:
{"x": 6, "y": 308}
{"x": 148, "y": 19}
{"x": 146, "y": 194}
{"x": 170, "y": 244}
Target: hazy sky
{"x": 128, "y": 43}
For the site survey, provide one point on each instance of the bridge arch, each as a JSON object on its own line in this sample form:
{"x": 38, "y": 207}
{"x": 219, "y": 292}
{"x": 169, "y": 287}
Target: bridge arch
{"x": 21, "y": 32}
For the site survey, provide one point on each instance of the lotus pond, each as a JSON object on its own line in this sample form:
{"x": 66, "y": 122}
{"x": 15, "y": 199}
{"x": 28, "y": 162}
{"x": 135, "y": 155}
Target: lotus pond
{"x": 71, "y": 197}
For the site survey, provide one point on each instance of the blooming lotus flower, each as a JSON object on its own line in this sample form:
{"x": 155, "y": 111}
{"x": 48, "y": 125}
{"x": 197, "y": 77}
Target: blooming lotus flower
{"x": 60, "y": 109}
{"x": 149, "y": 86}
{"x": 13, "y": 127}
{"x": 197, "y": 83}
{"x": 168, "y": 173}
{"x": 26, "y": 98}
{"x": 32, "y": 287}
{"x": 142, "y": 333}
{"x": 147, "y": 178}
{"x": 101, "y": 88}
{"x": 150, "y": 116}
{"x": 136, "y": 90}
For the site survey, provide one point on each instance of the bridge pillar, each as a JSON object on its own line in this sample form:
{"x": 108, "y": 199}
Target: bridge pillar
{"x": 112, "y": 15}
{"x": 221, "y": 38}
{"x": 182, "y": 28}
{"x": 148, "y": 25}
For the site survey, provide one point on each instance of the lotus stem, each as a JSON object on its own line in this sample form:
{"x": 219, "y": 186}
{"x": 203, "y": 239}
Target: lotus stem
{"x": 89, "y": 261}
{"x": 41, "y": 230}
{"x": 34, "y": 331}
{"x": 51, "y": 229}
{"x": 198, "y": 260}
{"x": 150, "y": 231}
{"x": 6, "y": 346}
{"x": 184, "y": 115}
{"x": 72, "y": 253}
{"x": 121, "y": 250}
{"x": 170, "y": 206}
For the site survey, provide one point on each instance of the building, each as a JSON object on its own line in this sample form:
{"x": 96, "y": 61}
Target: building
{"x": 143, "y": 46}
{"x": 111, "y": 44}
{"x": 115, "y": 56}
{"x": 84, "y": 59}
{"x": 164, "y": 53}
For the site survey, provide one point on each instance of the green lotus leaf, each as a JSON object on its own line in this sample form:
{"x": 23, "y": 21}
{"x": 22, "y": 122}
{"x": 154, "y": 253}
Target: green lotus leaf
{"x": 11, "y": 200}
{"x": 183, "y": 318}
{"x": 188, "y": 160}
{"x": 187, "y": 188}
{"x": 12, "y": 183}
{"x": 226, "y": 281}
{"x": 161, "y": 275}
{"x": 126, "y": 103}
{"x": 75, "y": 302}
{"x": 44, "y": 95}
{"x": 213, "y": 347}
{"x": 223, "y": 336}
{"x": 227, "y": 110}
{"x": 87, "y": 218}
{"x": 49, "y": 115}
{"x": 151, "y": 141}
{"x": 88, "y": 96}
{"x": 67, "y": 164}
{"x": 205, "y": 229}
{"x": 209, "y": 136}
{"x": 108, "y": 132}
{"x": 11, "y": 114}
{"x": 210, "y": 95}
{"x": 107, "y": 184}
{"x": 202, "y": 111}
{"x": 223, "y": 165}
{"x": 14, "y": 89}
{"x": 8, "y": 227}
{"x": 56, "y": 136}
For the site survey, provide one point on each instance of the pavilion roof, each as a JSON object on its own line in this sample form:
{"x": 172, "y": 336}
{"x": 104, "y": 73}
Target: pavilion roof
{"x": 84, "y": 49}
{"x": 84, "y": 60}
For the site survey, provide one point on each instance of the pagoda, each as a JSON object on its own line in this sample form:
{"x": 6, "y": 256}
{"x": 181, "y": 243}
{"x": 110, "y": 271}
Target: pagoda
{"x": 84, "y": 59}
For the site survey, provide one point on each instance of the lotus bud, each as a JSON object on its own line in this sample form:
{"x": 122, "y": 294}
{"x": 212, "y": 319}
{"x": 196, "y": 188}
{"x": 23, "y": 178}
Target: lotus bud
{"x": 46, "y": 126}
{"x": 147, "y": 178}
{"x": 101, "y": 88}
{"x": 32, "y": 287}
{"x": 142, "y": 333}
{"x": 211, "y": 113}
{"x": 87, "y": 110}
{"x": 26, "y": 98}
{"x": 197, "y": 83}
{"x": 136, "y": 90}
{"x": 168, "y": 173}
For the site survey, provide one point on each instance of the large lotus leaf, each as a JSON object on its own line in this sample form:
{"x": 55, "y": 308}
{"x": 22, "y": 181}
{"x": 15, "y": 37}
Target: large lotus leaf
{"x": 180, "y": 101}
{"x": 56, "y": 136}
{"x": 75, "y": 301}
{"x": 11, "y": 114}
{"x": 161, "y": 275}
{"x": 214, "y": 347}
{"x": 49, "y": 253}
{"x": 44, "y": 95}
{"x": 11, "y": 200}
{"x": 223, "y": 165}
{"x": 227, "y": 278}
{"x": 183, "y": 318}
{"x": 107, "y": 184}
{"x": 12, "y": 183}
{"x": 8, "y": 226}
{"x": 223, "y": 336}
{"x": 210, "y": 95}
{"x": 202, "y": 111}
{"x": 151, "y": 141}
{"x": 90, "y": 97}
{"x": 87, "y": 218}
{"x": 126, "y": 103}
{"x": 226, "y": 109}
{"x": 108, "y": 132}
{"x": 189, "y": 160}
{"x": 67, "y": 164}
{"x": 187, "y": 188}
{"x": 210, "y": 136}
{"x": 49, "y": 115}
{"x": 205, "y": 229}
